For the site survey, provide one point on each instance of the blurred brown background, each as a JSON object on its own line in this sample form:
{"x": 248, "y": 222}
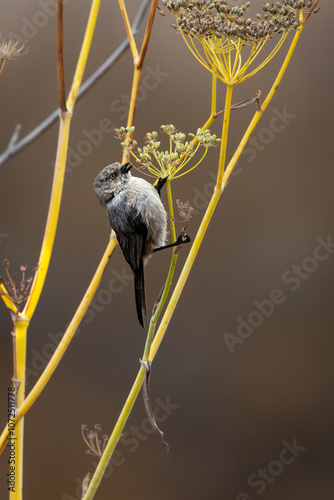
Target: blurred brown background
{"x": 232, "y": 413}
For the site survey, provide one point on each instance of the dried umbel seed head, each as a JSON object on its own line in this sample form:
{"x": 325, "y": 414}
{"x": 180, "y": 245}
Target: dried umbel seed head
{"x": 217, "y": 33}
{"x": 202, "y": 18}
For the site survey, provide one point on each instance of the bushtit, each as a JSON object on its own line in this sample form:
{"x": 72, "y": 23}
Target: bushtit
{"x": 137, "y": 216}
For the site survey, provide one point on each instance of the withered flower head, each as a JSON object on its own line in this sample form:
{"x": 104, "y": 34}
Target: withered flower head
{"x": 17, "y": 292}
{"x": 94, "y": 439}
{"x": 9, "y": 50}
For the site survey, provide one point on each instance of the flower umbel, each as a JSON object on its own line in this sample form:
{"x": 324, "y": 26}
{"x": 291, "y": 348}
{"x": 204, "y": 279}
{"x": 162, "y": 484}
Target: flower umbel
{"x": 172, "y": 161}
{"x": 9, "y": 50}
{"x": 217, "y": 34}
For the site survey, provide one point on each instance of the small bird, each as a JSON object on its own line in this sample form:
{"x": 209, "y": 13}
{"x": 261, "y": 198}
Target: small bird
{"x": 137, "y": 216}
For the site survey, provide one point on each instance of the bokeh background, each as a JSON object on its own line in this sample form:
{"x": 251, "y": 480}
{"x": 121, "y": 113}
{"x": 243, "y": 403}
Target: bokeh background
{"x": 228, "y": 414}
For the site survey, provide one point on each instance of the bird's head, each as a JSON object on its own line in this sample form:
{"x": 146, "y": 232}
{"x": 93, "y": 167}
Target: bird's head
{"x": 111, "y": 181}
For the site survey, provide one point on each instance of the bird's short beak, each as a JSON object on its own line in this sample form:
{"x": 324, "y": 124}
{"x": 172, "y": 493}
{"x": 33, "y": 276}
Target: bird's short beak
{"x": 125, "y": 168}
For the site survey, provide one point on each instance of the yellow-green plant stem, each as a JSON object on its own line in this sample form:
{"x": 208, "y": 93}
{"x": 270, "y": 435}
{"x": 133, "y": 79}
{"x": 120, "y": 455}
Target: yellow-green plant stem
{"x": 84, "y": 52}
{"x": 7, "y": 300}
{"x": 184, "y": 274}
{"x": 37, "y": 286}
{"x": 200, "y": 234}
{"x": 113, "y": 440}
{"x": 46, "y": 250}
{"x": 141, "y": 374}
{"x": 155, "y": 316}
{"x": 223, "y": 176}
{"x": 138, "y": 60}
{"x": 25, "y": 405}
{"x": 129, "y": 33}
{"x": 48, "y": 240}
{"x": 55, "y": 201}
{"x": 214, "y": 96}
{"x": 171, "y": 209}
{"x": 226, "y": 123}
{"x": 214, "y": 201}
{"x": 258, "y": 114}
{"x": 52, "y": 219}
{"x": 20, "y": 339}
{"x": 212, "y": 116}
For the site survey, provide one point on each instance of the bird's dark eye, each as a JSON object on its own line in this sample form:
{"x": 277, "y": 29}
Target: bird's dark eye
{"x": 113, "y": 176}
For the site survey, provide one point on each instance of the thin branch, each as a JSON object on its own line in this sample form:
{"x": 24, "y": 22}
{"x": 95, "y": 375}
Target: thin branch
{"x": 311, "y": 11}
{"x": 147, "y": 34}
{"x": 243, "y": 104}
{"x": 129, "y": 31}
{"x": 15, "y": 136}
{"x": 60, "y": 60}
{"x": 15, "y": 147}
{"x": 138, "y": 69}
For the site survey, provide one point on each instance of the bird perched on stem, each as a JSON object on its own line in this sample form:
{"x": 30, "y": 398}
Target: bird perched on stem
{"x": 137, "y": 216}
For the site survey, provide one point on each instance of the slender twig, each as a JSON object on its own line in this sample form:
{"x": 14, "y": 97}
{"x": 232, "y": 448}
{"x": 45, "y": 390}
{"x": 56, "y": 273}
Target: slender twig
{"x": 129, "y": 32}
{"x": 7, "y": 299}
{"x": 311, "y": 11}
{"x": 138, "y": 65}
{"x": 60, "y": 60}
{"x": 243, "y": 104}
{"x": 147, "y": 34}
{"x": 15, "y": 147}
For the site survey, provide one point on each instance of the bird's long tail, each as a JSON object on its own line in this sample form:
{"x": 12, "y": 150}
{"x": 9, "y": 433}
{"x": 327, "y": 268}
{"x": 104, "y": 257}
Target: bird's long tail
{"x": 140, "y": 293}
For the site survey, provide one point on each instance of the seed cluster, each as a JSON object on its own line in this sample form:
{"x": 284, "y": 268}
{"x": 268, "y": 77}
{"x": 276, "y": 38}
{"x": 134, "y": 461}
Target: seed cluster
{"x": 170, "y": 160}
{"x": 205, "y": 18}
